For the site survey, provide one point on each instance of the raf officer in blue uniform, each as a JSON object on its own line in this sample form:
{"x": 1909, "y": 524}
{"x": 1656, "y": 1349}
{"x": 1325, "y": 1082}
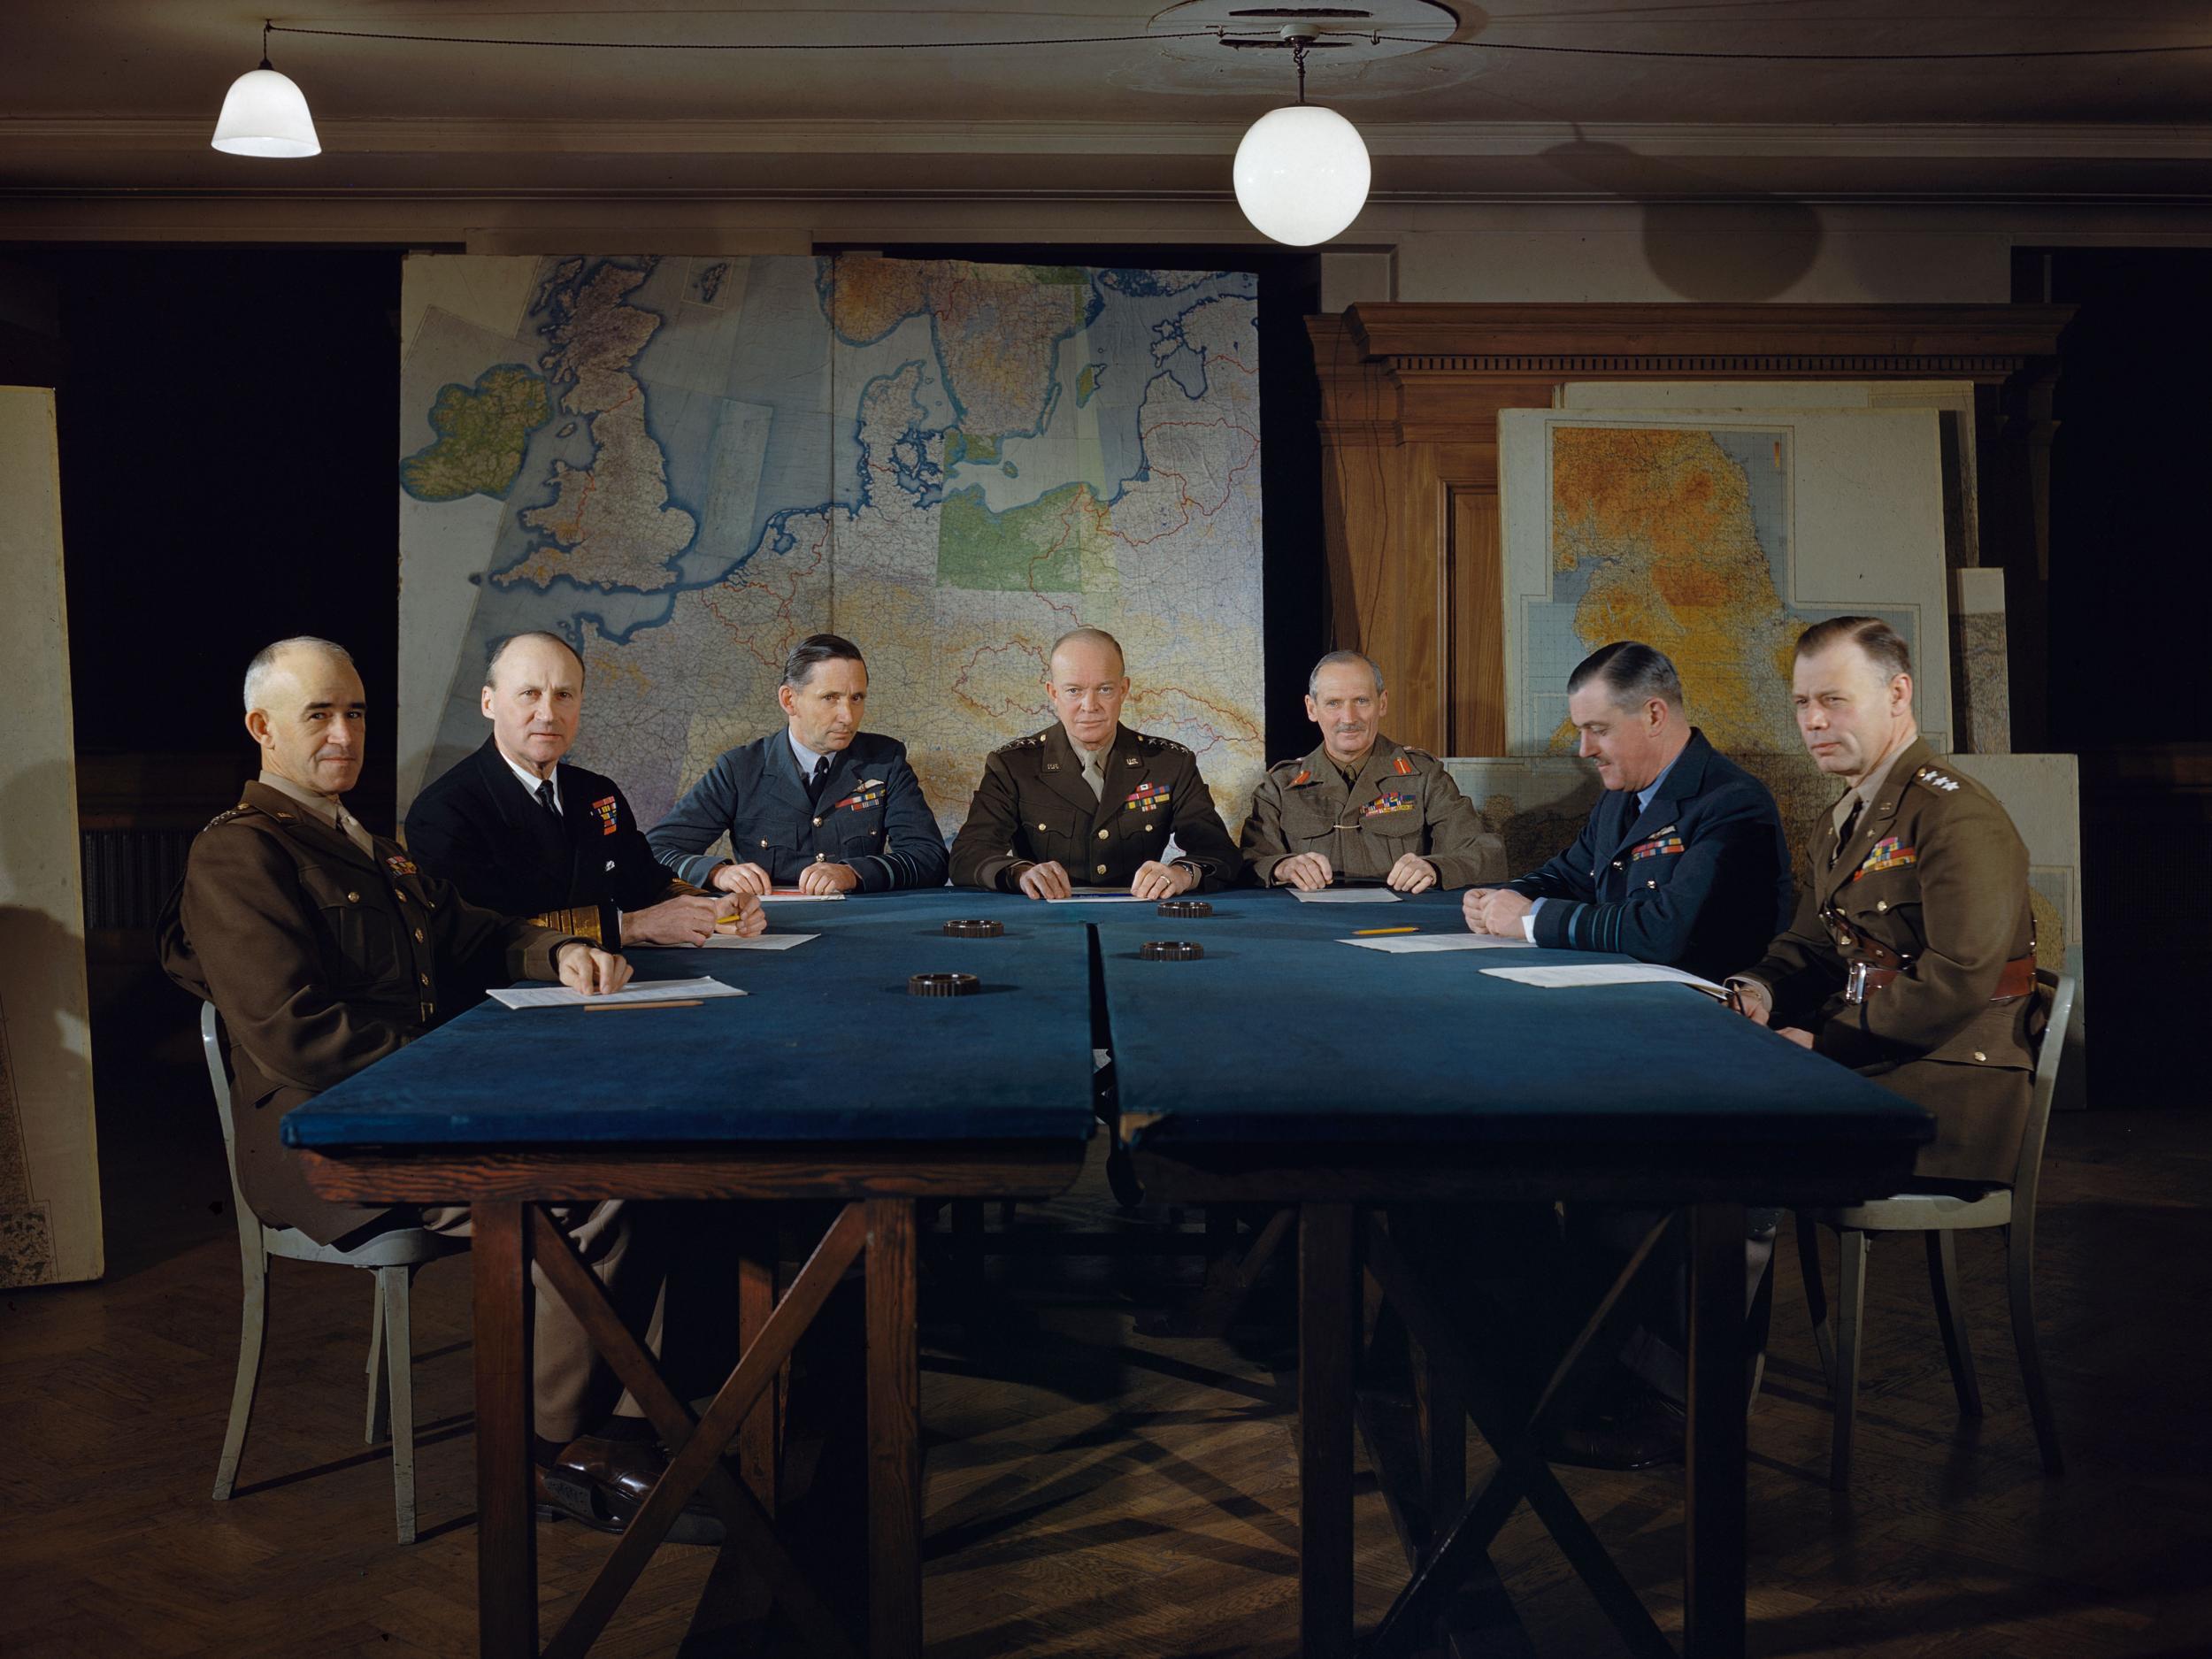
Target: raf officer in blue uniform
{"x": 821, "y": 806}
{"x": 1683, "y": 862}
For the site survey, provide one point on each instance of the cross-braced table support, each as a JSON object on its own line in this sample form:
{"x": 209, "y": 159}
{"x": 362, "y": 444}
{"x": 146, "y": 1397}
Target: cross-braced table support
{"x": 1335, "y": 1243}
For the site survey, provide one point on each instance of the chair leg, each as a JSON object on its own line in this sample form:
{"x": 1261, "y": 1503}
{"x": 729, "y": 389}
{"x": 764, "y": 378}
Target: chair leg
{"x": 253, "y": 1331}
{"x": 377, "y": 1426}
{"x": 1817, "y": 1298}
{"x": 1850, "y": 1318}
{"x": 399, "y": 1353}
{"x": 1943, "y": 1283}
{"x": 2020, "y": 1271}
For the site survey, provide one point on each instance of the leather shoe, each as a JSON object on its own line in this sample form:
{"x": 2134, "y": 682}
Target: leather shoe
{"x": 606, "y": 1482}
{"x": 1640, "y": 1431}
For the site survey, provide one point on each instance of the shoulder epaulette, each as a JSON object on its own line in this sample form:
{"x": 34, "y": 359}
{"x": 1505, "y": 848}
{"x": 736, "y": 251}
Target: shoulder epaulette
{"x": 1417, "y": 754}
{"x": 1032, "y": 741}
{"x": 1936, "y": 779}
{"x": 242, "y": 809}
{"x": 1163, "y": 742}
{"x": 1296, "y": 760}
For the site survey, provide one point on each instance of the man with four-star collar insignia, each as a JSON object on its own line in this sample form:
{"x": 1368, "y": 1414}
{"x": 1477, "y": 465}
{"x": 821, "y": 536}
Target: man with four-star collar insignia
{"x": 821, "y": 806}
{"x": 521, "y": 829}
{"x": 1088, "y": 802}
{"x": 323, "y": 948}
{"x": 1683, "y": 861}
{"x": 1911, "y": 956}
{"x": 1362, "y": 806}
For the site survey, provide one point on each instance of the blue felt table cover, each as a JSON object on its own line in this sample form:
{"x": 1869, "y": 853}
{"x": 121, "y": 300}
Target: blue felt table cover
{"x": 828, "y": 1046}
{"x": 1280, "y": 1033}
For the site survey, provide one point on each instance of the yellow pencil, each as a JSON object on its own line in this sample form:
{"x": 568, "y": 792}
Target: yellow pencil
{"x": 1368, "y": 933}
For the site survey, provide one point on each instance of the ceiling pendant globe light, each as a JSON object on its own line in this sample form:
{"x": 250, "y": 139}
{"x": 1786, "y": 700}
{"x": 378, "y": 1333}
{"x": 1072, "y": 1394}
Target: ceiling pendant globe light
{"x": 1302, "y": 172}
{"x": 265, "y": 114}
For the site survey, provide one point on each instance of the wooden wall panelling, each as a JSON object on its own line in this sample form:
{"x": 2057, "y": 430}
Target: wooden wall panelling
{"x": 1410, "y": 395}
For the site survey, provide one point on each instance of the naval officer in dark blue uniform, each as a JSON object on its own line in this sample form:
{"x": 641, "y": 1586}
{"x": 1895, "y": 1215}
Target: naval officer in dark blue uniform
{"x": 821, "y": 806}
{"x": 1683, "y": 862}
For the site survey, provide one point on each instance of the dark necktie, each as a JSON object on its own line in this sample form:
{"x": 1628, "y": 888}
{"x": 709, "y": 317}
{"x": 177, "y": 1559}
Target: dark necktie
{"x": 821, "y": 776}
{"x": 1850, "y": 825}
{"x": 546, "y": 799}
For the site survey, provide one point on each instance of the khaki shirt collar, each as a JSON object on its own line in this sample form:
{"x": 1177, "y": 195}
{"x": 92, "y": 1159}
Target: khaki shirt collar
{"x": 1870, "y": 786}
{"x": 324, "y": 809}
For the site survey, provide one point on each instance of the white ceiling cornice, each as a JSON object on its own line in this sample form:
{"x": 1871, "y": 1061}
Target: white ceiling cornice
{"x": 462, "y": 136}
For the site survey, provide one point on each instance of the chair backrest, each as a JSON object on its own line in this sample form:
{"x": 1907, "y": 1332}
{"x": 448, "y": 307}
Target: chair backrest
{"x": 250, "y": 1230}
{"x": 2050, "y": 1051}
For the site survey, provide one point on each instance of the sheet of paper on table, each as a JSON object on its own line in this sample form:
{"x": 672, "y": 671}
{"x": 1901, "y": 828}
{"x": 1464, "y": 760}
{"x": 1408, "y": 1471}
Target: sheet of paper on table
{"x": 1422, "y": 944}
{"x": 636, "y": 991}
{"x": 792, "y": 895}
{"x": 765, "y": 941}
{"x": 1347, "y": 895}
{"x": 1604, "y": 973}
{"x": 1102, "y": 895}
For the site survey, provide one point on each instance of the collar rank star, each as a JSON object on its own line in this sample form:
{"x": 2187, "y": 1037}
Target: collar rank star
{"x": 401, "y": 864}
{"x": 1887, "y": 854}
{"x": 604, "y": 807}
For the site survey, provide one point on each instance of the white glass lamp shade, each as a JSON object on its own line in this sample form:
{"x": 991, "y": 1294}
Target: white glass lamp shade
{"x": 1301, "y": 175}
{"x": 264, "y": 114}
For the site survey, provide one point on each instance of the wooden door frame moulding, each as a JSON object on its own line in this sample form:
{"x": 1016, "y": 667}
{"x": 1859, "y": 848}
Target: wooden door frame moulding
{"x": 1429, "y": 380}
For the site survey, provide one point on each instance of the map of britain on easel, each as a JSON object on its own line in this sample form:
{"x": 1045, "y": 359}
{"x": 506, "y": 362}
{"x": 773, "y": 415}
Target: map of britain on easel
{"x": 683, "y": 466}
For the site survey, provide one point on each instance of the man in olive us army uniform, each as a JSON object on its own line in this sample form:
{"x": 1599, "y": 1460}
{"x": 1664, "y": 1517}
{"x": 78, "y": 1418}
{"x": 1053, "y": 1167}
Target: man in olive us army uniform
{"x": 325, "y": 949}
{"x": 1090, "y": 803}
{"x": 1911, "y": 956}
{"x": 1360, "y": 805}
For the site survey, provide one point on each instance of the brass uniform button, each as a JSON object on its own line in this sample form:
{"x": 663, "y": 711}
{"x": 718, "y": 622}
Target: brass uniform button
{"x": 353, "y": 898}
{"x": 418, "y": 935}
{"x": 1101, "y": 870}
{"x": 818, "y": 823}
{"x": 1147, "y": 827}
{"x": 764, "y": 844}
{"x": 1881, "y": 904}
{"x": 1101, "y": 834}
{"x": 424, "y": 978}
{"x": 1979, "y": 1054}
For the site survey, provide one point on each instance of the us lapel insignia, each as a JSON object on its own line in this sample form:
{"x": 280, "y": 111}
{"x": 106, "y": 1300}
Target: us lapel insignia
{"x": 605, "y": 808}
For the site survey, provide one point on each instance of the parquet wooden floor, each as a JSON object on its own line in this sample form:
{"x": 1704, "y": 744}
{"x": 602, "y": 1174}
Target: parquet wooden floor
{"x": 1095, "y": 1492}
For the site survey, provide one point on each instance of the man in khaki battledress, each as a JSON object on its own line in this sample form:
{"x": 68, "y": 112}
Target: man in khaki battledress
{"x": 1090, "y": 803}
{"x": 1911, "y": 958}
{"x": 1362, "y": 806}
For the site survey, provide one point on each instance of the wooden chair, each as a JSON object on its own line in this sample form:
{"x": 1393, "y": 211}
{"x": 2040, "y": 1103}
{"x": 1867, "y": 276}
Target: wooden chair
{"x": 1937, "y": 1218}
{"x": 392, "y": 1257}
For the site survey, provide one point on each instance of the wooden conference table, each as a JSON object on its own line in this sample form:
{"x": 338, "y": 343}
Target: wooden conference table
{"x": 1284, "y": 1068}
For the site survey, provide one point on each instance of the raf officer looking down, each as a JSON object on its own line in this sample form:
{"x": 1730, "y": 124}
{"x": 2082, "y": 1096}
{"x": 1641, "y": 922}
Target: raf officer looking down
{"x": 1683, "y": 860}
{"x": 521, "y": 829}
{"x": 1088, "y": 802}
{"x": 1912, "y": 954}
{"x": 1362, "y": 806}
{"x": 323, "y": 948}
{"x": 821, "y": 806}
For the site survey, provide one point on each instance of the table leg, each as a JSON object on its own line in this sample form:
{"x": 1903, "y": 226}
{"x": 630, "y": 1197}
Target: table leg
{"x": 506, "y": 1533}
{"x": 895, "y": 1462}
{"x": 1328, "y": 1342}
{"x": 1713, "y": 1569}
{"x": 758, "y": 1439}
